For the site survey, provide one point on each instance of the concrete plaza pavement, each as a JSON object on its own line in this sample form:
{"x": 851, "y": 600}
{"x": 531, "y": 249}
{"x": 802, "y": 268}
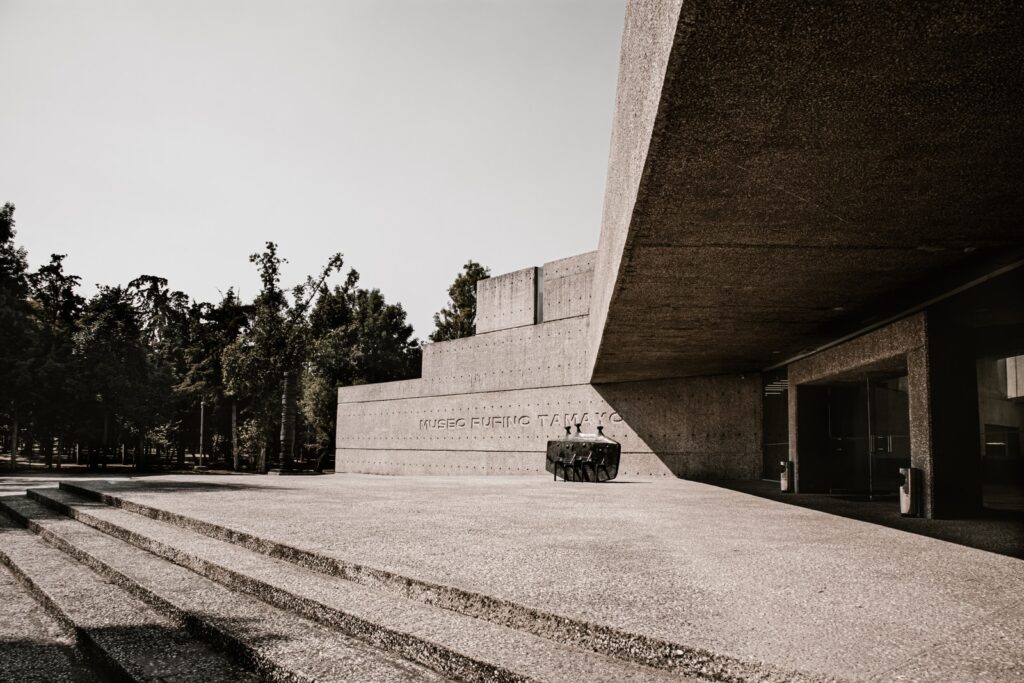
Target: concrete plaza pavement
{"x": 678, "y": 560}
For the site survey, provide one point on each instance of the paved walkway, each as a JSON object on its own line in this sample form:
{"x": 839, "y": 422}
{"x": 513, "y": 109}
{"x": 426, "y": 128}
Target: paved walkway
{"x": 680, "y": 560}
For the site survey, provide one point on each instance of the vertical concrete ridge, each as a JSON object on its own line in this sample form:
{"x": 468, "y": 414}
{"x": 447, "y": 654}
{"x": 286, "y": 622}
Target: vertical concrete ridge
{"x": 622, "y": 645}
{"x": 126, "y": 638}
{"x": 651, "y": 37}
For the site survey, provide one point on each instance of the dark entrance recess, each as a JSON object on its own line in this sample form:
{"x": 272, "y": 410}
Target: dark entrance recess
{"x": 776, "y": 423}
{"x": 854, "y": 435}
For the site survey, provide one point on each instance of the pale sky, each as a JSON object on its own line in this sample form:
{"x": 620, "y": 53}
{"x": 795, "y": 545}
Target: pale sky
{"x": 174, "y": 138}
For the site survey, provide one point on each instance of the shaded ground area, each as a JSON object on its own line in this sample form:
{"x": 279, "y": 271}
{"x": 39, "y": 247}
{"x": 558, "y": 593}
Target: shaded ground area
{"x": 999, "y": 528}
{"x": 689, "y": 562}
{"x": 33, "y": 647}
{"x": 39, "y": 477}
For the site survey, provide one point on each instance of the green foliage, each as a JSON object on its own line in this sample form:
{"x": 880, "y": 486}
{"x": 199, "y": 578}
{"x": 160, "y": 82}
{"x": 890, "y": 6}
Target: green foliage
{"x": 458, "y": 318}
{"x": 133, "y": 364}
{"x": 15, "y": 323}
{"x": 56, "y": 388}
{"x": 114, "y": 363}
{"x": 277, "y": 341}
{"x": 358, "y": 338}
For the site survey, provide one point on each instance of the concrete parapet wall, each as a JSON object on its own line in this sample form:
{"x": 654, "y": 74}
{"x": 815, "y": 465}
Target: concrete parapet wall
{"x": 892, "y": 341}
{"x": 567, "y": 286}
{"x": 698, "y": 427}
{"x": 540, "y": 355}
{"x": 505, "y": 301}
{"x": 548, "y": 354}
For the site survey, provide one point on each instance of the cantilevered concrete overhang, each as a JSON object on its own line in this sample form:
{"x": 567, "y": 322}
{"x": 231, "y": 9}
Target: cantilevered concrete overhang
{"x": 783, "y": 173}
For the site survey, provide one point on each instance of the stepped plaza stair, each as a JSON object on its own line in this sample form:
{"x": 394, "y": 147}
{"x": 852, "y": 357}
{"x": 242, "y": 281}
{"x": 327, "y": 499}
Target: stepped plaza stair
{"x": 223, "y": 605}
{"x": 368, "y": 578}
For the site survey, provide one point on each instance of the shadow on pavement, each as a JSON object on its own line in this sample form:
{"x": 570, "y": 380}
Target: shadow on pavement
{"x": 995, "y": 530}
{"x": 176, "y": 486}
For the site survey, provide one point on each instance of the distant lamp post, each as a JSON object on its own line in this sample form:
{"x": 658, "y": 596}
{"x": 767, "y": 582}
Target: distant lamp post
{"x": 202, "y": 419}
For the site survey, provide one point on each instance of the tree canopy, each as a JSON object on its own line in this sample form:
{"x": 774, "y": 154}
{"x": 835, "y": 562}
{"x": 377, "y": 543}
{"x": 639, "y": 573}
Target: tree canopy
{"x": 458, "y": 318}
{"x": 138, "y": 366}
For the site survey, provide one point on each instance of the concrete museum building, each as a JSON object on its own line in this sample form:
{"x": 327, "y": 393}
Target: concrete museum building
{"x": 811, "y": 251}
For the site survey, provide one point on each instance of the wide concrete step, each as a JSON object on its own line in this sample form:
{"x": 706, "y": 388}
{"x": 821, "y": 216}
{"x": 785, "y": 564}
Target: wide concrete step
{"x": 274, "y": 642}
{"x": 134, "y": 641}
{"x": 636, "y": 648}
{"x": 454, "y": 644}
{"x": 34, "y": 647}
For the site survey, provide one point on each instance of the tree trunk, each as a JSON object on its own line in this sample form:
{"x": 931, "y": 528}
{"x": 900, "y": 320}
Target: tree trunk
{"x": 48, "y": 451}
{"x": 106, "y": 425}
{"x": 202, "y": 425}
{"x": 287, "y": 423}
{"x": 14, "y": 442}
{"x": 234, "y": 435}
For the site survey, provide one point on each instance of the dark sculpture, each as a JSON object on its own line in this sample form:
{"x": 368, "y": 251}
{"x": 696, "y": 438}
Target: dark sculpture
{"x": 584, "y": 457}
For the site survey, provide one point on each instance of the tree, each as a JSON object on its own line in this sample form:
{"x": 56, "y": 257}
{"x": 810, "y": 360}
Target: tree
{"x": 214, "y": 329}
{"x": 357, "y": 338}
{"x": 15, "y": 325}
{"x": 254, "y": 365}
{"x": 55, "y": 389}
{"x": 458, "y": 318}
{"x": 168, "y": 322}
{"x": 123, "y": 389}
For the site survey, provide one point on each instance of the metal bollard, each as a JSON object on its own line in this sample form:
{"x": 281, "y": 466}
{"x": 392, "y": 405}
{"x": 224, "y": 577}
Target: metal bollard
{"x": 910, "y": 492}
{"x": 786, "y": 478}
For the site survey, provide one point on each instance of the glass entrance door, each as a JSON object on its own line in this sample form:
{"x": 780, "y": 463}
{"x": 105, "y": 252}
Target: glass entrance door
{"x": 889, "y": 412}
{"x": 869, "y": 436}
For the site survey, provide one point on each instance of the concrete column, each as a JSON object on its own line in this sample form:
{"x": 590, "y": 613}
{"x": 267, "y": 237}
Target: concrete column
{"x": 808, "y": 437}
{"x": 944, "y": 427}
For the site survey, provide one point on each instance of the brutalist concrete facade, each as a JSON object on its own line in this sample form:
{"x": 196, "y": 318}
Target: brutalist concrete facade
{"x": 489, "y": 403}
{"x": 791, "y": 188}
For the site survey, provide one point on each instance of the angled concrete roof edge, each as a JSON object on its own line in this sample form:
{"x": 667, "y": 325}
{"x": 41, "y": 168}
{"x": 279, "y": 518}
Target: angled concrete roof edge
{"x": 644, "y": 49}
{"x": 784, "y": 174}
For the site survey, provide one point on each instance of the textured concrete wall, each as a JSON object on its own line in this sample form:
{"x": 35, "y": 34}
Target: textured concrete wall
{"x": 567, "y": 286}
{"x": 505, "y": 301}
{"x": 701, "y": 427}
{"x": 875, "y": 348}
{"x": 757, "y": 219}
{"x": 548, "y": 354}
{"x": 943, "y": 403}
{"x": 647, "y": 40}
{"x": 903, "y": 344}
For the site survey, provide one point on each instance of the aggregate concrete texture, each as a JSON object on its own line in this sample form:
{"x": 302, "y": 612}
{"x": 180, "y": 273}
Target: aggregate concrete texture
{"x": 782, "y": 172}
{"x": 33, "y": 646}
{"x": 452, "y": 643}
{"x": 147, "y": 646}
{"x": 567, "y": 286}
{"x": 277, "y": 642}
{"x": 485, "y": 404}
{"x": 678, "y": 560}
{"x": 697, "y": 427}
{"x": 508, "y": 300}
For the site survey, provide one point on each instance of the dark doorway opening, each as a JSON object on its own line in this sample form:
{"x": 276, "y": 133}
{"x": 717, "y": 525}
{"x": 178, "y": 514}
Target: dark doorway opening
{"x": 775, "y": 406}
{"x": 854, "y": 436}
{"x": 1001, "y": 414}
